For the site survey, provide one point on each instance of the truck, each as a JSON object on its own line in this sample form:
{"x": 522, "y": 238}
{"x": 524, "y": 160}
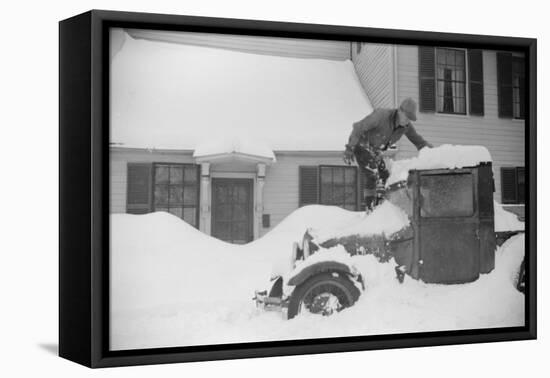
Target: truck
{"x": 450, "y": 239}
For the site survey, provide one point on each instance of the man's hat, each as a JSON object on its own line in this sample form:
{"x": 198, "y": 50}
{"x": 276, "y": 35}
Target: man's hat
{"x": 408, "y": 106}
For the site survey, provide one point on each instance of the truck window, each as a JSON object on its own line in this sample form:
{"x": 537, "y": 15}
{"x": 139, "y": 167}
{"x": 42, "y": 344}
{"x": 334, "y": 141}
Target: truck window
{"x": 447, "y": 195}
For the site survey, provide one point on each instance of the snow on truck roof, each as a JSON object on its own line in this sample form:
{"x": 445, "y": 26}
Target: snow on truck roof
{"x": 445, "y": 156}
{"x": 175, "y": 96}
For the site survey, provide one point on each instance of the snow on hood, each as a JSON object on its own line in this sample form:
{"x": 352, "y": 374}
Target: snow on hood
{"x": 385, "y": 219}
{"x": 444, "y": 156}
{"x": 175, "y": 96}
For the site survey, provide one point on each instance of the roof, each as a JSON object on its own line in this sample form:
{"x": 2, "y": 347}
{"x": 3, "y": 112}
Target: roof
{"x": 174, "y": 96}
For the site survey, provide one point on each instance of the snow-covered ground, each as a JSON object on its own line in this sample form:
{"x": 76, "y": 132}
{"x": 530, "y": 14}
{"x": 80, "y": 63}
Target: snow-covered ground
{"x": 172, "y": 285}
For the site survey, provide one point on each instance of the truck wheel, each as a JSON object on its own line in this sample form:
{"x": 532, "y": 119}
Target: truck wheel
{"x": 323, "y": 294}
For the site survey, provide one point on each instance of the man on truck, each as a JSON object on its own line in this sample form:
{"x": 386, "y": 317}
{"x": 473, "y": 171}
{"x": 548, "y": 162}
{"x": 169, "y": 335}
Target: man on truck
{"x": 373, "y": 135}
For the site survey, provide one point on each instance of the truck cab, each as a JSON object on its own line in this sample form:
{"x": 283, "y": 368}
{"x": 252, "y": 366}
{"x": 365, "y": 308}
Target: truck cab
{"x": 450, "y": 239}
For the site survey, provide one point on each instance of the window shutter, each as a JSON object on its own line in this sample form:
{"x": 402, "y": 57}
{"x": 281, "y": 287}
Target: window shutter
{"x": 362, "y": 185}
{"x": 521, "y": 184}
{"x": 309, "y": 185}
{"x": 508, "y": 180}
{"x": 475, "y": 74}
{"x": 426, "y": 74}
{"x": 505, "y": 91}
{"x": 519, "y": 70}
{"x": 138, "y": 198}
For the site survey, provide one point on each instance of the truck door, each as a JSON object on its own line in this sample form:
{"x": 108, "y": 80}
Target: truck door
{"x": 448, "y": 224}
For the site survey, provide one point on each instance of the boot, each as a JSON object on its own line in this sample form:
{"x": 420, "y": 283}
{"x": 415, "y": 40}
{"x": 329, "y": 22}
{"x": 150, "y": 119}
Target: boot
{"x": 370, "y": 203}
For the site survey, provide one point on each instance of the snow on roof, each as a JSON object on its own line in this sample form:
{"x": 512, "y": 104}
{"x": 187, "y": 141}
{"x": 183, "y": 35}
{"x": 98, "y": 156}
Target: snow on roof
{"x": 172, "y": 96}
{"x": 444, "y": 156}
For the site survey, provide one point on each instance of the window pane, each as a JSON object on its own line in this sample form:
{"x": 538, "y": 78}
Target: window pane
{"x": 162, "y": 174}
{"x": 190, "y": 215}
{"x": 338, "y": 176}
{"x": 177, "y": 211}
{"x": 447, "y": 195}
{"x": 460, "y": 58}
{"x": 450, "y": 57}
{"x": 350, "y": 176}
{"x": 326, "y": 175}
{"x": 326, "y": 194}
{"x": 441, "y": 56}
{"x": 190, "y": 175}
{"x": 161, "y": 195}
{"x": 189, "y": 195}
{"x": 165, "y": 209}
{"x": 338, "y": 195}
{"x": 176, "y": 174}
{"x": 349, "y": 194}
{"x": 176, "y": 195}
{"x": 459, "y": 75}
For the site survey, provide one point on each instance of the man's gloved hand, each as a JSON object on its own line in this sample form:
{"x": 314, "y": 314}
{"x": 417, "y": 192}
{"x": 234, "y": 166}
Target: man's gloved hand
{"x": 348, "y": 155}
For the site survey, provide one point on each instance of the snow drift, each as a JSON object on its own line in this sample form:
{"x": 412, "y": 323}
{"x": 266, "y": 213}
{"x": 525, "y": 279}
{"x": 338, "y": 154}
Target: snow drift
{"x": 172, "y": 285}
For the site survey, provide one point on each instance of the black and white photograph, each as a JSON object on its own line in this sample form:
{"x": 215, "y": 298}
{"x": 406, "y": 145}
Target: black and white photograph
{"x": 267, "y": 188}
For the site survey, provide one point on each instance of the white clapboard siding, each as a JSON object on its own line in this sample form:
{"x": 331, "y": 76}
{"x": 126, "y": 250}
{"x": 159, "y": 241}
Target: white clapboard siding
{"x": 119, "y": 160}
{"x": 289, "y": 47}
{"x": 505, "y": 138}
{"x": 281, "y": 190}
{"x": 374, "y": 67}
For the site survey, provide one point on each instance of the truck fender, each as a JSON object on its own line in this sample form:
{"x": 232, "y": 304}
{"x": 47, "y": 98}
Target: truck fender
{"x": 323, "y": 267}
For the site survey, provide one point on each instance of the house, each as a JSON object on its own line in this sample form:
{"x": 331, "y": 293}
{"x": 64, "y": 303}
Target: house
{"x": 233, "y": 133}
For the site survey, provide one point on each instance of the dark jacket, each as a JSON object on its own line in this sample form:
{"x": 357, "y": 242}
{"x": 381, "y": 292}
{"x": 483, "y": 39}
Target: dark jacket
{"x": 381, "y": 129}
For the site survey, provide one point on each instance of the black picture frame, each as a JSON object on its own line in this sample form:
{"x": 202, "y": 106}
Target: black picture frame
{"x": 84, "y": 189}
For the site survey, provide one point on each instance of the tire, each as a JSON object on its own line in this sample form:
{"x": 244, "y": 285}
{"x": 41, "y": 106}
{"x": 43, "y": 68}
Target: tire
{"x": 323, "y": 288}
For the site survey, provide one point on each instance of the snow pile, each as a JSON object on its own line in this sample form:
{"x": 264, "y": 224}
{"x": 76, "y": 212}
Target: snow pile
{"x": 444, "y": 156}
{"x": 174, "y": 96}
{"x": 506, "y": 220}
{"x": 174, "y": 286}
{"x": 158, "y": 259}
{"x": 385, "y": 219}
{"x": 276, "y": 245}
{"x": 235, "y": 145}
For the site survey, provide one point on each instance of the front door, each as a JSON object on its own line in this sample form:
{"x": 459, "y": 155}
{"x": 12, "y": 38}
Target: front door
{"x": 232, "y": 209}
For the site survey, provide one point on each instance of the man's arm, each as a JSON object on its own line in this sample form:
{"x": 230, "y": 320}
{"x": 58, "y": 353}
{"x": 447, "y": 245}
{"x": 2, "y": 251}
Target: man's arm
{"x": 416, "y": 138}
{"x": 368, "y": 123}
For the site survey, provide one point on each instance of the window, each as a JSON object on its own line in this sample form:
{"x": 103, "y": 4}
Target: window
{"x": 175, "y": 190}
{"x": 338, "y": 186}
{"x": 447, "y": 195}
{"x": 445, "y": 78}
{"x": 512, "y": 185}
{"x": 451, "y": 81}
{"x": 330, "y": 185}
{"x": 511, "y": 85}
